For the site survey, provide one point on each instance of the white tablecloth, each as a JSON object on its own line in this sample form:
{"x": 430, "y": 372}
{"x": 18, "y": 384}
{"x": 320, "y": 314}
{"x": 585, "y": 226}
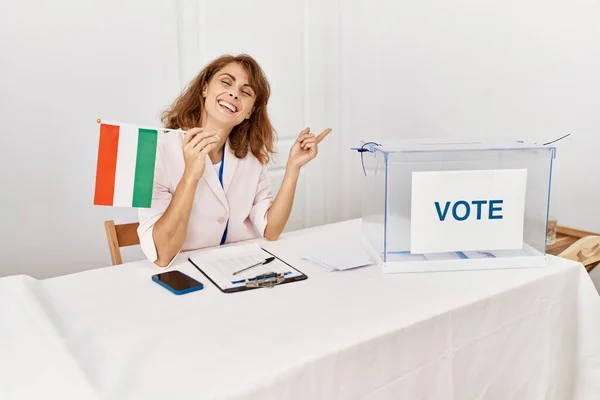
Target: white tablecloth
{"x": 112, "y": 333}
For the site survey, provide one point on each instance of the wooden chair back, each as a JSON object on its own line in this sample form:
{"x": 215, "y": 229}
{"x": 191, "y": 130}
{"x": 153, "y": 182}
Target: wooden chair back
{"x": 118, "y": 236}
{"x": 585, "y": 250}
{"x": 577, "y": 245}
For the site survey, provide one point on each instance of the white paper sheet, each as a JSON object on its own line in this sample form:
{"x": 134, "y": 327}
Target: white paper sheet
{"x": 339, "y": 259}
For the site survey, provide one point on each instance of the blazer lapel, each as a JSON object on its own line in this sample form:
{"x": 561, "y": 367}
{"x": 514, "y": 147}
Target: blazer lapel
{"x": 231, "y": 163}
{"x": 212, "y": 179}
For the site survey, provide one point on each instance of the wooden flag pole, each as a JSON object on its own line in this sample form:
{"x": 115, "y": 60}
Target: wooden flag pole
{"x": 146, "y": 127}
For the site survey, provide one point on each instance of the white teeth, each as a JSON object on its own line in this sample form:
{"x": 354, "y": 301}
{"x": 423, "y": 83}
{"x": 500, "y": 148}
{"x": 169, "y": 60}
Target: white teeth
{"x": 228, "y": 105}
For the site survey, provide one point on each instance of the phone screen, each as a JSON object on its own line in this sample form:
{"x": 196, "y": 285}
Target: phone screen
{"x": 177, "y": 280}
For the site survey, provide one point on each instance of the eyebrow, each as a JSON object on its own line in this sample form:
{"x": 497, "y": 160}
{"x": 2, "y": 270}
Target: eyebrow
{"x": 233, "y": 77}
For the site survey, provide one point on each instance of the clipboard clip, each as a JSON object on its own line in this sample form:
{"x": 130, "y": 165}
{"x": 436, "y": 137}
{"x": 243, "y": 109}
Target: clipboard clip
{"x": 266, "y": 280}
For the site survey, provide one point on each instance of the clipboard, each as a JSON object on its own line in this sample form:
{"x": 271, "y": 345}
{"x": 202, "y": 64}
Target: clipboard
{"x": 257, "y": 281}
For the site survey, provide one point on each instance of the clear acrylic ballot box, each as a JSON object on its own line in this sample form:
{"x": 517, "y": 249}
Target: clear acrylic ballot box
{"x": 439, "y": 206}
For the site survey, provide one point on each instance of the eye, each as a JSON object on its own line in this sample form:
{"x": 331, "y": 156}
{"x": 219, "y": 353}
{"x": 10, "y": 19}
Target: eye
{"x": 226, "y": 82}
{"x": 247, "y": 93}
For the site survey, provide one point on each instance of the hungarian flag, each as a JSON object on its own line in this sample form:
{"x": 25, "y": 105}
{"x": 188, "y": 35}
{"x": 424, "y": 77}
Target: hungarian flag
{"x": 125, "y": 169}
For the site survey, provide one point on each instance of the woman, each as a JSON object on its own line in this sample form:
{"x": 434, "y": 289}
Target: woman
{"x": 211, "y": 185}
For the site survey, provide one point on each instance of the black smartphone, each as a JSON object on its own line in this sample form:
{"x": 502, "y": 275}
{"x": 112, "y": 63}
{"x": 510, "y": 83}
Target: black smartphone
{"x": 177, "y": 282}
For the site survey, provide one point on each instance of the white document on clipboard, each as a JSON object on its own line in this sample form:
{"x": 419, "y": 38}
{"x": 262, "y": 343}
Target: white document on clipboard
{"x": 220, "y": 264}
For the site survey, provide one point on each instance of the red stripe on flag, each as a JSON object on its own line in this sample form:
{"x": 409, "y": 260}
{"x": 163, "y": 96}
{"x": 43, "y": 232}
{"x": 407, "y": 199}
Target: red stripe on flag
{"x": 107, "y": 165}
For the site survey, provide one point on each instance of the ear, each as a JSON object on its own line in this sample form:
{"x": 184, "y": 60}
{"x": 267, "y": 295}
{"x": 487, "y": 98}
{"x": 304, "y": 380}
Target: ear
{"x": 204, "y": 90}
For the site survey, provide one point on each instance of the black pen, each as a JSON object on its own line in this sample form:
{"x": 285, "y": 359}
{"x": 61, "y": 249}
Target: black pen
{"x": 268, "y": 260}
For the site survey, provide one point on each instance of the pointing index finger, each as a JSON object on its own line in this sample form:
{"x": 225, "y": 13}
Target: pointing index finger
{"x": 323, "y": 134}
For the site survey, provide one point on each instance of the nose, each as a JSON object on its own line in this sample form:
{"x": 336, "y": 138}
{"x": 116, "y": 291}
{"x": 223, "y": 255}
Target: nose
{"x": 235, "y": 97}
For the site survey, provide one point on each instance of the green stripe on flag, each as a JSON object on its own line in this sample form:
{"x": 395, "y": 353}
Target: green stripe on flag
{"x": 144, "y": 168}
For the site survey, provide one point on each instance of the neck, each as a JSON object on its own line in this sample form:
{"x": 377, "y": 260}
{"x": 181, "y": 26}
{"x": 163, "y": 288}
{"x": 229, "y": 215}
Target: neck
{"x": 217, "y": 152}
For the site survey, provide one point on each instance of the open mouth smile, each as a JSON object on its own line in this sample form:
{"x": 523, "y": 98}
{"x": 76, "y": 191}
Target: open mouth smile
{"x": 227, "y": 107}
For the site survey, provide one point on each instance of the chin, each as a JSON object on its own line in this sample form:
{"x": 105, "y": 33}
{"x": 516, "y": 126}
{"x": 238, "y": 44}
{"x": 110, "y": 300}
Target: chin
{"x": 227, "y": 122}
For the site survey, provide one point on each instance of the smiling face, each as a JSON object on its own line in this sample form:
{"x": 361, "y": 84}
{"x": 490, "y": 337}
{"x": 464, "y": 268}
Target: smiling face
{"x": 228, "y": 97}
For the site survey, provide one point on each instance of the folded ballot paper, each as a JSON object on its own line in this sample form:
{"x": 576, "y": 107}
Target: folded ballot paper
{"x": 339, "y": 259}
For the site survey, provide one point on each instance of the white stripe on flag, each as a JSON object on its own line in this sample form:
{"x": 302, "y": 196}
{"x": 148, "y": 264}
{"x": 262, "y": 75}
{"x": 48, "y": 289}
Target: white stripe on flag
{"x": 126, "y": 160}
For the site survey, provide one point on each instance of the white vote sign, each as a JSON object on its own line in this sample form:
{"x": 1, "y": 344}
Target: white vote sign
{"x": 467, "y": 210}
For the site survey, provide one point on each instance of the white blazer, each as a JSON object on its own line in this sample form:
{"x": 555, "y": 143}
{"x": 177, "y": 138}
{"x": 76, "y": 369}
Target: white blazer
{"x": 241, "y": 205}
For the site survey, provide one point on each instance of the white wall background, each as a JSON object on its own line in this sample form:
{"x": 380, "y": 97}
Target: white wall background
{"x": 368, "y": 68}
{"x": 64, "y": 64}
